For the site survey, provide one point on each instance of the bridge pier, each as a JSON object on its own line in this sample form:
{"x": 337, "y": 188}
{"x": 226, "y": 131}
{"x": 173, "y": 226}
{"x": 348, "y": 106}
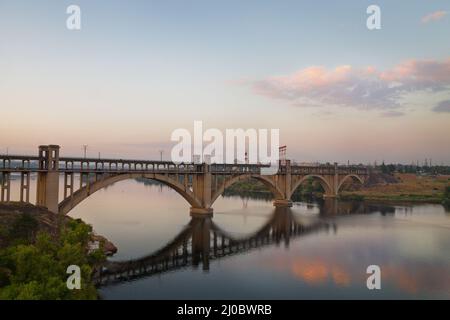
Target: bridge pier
{"x": 284, "y": 182}
{"x": 334, "y": 184}
{"x": 282, "y": 203}
{"x": 329, "y": 196}
{"x": 201, "y": 212}
{"x": 201, "y": 186}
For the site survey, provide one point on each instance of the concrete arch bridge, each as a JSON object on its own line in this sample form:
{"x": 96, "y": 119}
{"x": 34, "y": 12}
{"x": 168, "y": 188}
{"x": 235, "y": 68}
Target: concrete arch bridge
{"x": 199, "y": 184}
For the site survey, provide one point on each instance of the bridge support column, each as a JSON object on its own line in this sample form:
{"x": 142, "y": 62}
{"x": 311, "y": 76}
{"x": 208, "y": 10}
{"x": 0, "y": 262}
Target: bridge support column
{"x": 6, "y": 187}
{"x": 284, "y": 184}
{"x": 47, "y": 190}
{"x": 25, "y": 187}
{"x": 201, "y": 212}
{"x": 334, "y": 183}
{"x": 201, "y": 185}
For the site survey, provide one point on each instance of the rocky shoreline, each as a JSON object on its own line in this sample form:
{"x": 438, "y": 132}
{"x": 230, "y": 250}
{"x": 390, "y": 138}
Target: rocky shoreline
{"x": 98, "y": 241}
{"x": 47, "y": 221}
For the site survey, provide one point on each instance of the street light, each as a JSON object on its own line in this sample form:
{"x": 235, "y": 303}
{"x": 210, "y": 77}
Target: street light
{"x": 85, "y": 150}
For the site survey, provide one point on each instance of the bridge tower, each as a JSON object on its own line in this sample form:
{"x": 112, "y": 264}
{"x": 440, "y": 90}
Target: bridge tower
{"x": 47, "y": 190}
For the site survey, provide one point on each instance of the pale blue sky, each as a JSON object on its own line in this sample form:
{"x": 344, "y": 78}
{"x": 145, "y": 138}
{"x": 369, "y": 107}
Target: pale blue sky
{"x": 139, "y": 69}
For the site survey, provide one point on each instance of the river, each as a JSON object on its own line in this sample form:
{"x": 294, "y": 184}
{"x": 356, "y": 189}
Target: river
{"x": 312, "y": 250}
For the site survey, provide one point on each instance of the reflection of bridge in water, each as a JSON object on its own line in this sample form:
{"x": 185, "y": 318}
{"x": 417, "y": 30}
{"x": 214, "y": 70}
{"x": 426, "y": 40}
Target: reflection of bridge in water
{"x": 334, "y": 207}
{"x": 202, "y": 241}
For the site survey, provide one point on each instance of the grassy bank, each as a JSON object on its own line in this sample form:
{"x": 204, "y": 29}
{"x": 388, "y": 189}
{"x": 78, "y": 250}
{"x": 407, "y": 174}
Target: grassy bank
{"x": 36, "y": 247}
{"x": 408, "y": 188}
{"x": 392, "y": 198}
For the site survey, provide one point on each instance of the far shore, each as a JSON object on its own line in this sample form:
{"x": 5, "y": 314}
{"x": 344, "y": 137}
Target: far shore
{"x": 407, "y": 188}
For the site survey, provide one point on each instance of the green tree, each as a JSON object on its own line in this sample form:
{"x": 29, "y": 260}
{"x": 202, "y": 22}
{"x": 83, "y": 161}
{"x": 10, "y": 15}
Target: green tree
{"x": 24, "y": 228}
{"x": 38, "y": 270}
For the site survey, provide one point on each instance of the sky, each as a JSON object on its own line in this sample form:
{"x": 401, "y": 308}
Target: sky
{"x": 138, "y": 70}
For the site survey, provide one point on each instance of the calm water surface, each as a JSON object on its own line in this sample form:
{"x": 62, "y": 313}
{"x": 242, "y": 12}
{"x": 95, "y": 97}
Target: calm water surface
{"x": 411, "y": 244}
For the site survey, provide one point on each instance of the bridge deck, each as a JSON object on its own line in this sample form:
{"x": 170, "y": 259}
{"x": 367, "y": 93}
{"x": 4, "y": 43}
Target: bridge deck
{"x": 23, "y": 163}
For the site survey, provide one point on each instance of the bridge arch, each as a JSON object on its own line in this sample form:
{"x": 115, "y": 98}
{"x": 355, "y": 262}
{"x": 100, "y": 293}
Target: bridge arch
{"x": 69, "y": 203}
{"x": 270, "y": 184}
{"x": 323, "y": 182}
{"x": 353, "y": 177}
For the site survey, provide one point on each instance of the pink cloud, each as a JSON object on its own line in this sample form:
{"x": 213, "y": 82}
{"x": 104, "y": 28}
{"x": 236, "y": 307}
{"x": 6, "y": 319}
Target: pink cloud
{"x": 364, "y": 88}
{"x": 434, "y": 16}
{"x": 419, "y": 71}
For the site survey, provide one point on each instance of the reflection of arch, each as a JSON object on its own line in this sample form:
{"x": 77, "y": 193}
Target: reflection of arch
{"x": 264, "y": 179}
{"x": 72, "y": 201}
{"x": 324, "y": 183}
{"x": 354, "y": 177}
{"x": 260, "y": 231}
{"x": 202, "y": 240}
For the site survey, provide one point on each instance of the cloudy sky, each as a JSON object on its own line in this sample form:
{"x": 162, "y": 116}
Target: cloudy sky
{"x": 137, "y": 70}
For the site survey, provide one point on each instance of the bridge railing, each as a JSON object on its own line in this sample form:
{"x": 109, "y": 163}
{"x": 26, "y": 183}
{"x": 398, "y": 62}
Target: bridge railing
{"x": 328, "y": 170}
{"x": 19, "y": 163}
{"x": 236, "y": 168}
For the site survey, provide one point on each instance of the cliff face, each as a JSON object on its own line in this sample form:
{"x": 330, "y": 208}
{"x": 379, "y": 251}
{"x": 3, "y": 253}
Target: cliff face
{"x": 25, "y": 221}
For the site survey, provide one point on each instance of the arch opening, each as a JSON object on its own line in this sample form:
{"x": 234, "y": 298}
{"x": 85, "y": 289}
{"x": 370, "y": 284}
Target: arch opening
{"x": 66, "y": 205}
{"x": 313, "y": 183}
{"x": 349, "y": 181}
{"x": 246, "y": 183}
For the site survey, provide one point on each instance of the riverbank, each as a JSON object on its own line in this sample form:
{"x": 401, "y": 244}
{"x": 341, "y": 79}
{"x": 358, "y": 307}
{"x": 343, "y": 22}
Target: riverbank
{"x": 36, "y": 248}
{"x": 406, "y": 188}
